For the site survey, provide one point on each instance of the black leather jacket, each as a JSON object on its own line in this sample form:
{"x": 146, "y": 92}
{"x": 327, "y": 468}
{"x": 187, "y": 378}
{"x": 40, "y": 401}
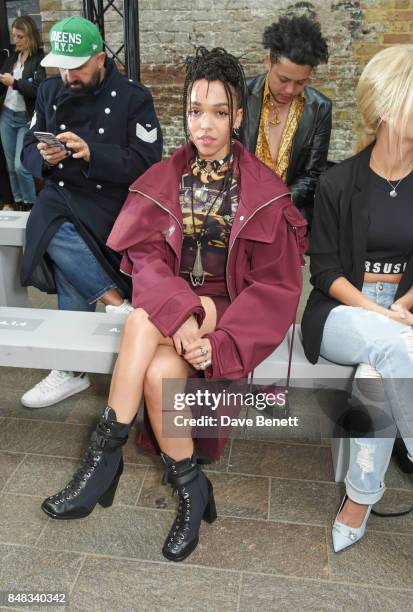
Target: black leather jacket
{"x": 32, "y": 75}
{"x": 310, "y": 143}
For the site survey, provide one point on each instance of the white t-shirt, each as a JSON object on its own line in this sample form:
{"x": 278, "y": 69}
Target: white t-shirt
{"x": 14, "y": 100}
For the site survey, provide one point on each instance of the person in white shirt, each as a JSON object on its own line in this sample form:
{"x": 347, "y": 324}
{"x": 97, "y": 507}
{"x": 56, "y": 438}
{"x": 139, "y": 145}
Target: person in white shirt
{"x": 19, "y": 77}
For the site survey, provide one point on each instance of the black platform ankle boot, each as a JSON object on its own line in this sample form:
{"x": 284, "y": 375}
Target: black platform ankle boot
{"x": 97, "y": 478}
{"x": 196, "y": 502}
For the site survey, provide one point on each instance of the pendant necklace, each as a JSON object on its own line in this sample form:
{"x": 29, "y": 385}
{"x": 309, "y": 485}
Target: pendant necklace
{"x": 197, "y": 275}
{"x": 393, "y": 192}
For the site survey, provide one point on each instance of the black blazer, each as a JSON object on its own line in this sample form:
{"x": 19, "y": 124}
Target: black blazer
{"x": 32, "y": 75}
{"x": 310, "y": 144}
{"x": 338, "y": 243}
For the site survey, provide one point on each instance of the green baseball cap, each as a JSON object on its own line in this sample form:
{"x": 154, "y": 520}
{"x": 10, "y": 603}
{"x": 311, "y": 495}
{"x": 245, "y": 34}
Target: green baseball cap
{"x": 73, "y": 40}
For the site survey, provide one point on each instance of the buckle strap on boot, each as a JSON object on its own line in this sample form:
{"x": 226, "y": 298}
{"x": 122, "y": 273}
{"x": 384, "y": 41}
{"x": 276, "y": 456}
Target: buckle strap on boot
{"x": 179, "y": 473}
{"x": 110, "y": 435}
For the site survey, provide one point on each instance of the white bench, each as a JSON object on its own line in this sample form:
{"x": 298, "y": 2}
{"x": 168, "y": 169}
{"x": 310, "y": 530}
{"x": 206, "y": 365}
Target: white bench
{"x": 65, "y": 340}
{"x": 85, "y": 341}
{"x": 12, "y": 236}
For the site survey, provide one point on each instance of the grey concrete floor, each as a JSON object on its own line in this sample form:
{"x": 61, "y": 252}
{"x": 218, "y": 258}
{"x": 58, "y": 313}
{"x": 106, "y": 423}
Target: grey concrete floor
{"x": 270, "y": 548}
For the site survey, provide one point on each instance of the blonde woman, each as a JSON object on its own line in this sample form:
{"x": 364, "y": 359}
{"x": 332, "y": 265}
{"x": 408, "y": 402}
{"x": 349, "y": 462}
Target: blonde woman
{"x": 359, "y": 311}
{"x": 19, "y": 78}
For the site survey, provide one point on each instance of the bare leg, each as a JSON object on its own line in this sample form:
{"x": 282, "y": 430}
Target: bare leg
{"x": 168, "y": 364}
{"x": 138, "y": 346}
{"x": 112, "y": 298}
{"x": 352, "y": 513}
{"x": 139, "y": 343}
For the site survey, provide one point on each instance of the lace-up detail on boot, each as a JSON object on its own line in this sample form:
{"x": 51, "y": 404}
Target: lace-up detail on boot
{"x": 196, "y": 502}
{"x": 180, "y": 527}
{"x": 84, "y": 472}
{"x": 96, "y": 479}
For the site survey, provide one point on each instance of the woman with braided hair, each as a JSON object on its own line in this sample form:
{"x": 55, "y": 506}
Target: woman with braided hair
{"x": 213, "y": 243}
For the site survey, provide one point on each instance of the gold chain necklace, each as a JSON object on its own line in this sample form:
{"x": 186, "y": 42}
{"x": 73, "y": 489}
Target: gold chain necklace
{"x": 210, "y": 170}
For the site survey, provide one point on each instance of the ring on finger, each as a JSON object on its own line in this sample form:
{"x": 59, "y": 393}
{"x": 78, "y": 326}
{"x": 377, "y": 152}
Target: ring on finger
{"x": 204, "y": 351}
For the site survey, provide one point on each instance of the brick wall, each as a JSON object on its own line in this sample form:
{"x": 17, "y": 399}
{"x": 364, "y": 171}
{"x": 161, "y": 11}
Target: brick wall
{"x": 54, "y": 10}
{"x": 355, "y": 29}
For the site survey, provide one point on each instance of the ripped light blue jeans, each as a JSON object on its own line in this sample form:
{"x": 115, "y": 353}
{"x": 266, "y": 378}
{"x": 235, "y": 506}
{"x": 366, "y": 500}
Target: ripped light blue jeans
{"x": 383, "y": 351}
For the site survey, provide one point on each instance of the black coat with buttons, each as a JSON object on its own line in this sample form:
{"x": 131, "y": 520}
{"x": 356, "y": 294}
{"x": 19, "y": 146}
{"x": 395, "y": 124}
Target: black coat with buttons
{"x": 119, "y": 124}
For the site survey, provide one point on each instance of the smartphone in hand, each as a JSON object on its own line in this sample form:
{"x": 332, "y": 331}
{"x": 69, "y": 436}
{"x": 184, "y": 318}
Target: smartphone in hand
{"x": 49, "y": 139}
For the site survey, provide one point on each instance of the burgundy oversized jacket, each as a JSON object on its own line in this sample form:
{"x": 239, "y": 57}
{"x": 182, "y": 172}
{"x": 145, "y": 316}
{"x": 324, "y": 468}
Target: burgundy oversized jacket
{"x": 263, "y": 272}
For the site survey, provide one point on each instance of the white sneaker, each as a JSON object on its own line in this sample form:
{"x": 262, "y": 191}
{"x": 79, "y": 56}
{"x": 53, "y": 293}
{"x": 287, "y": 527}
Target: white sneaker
{"x": 57, "y": 386}
{"x": 125, "y": 308}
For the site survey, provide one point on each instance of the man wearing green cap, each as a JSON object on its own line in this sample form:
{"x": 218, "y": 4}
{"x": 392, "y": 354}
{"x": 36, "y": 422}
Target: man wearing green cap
{"x": 74, "y": 41}
{"x": 110, "y": 135}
